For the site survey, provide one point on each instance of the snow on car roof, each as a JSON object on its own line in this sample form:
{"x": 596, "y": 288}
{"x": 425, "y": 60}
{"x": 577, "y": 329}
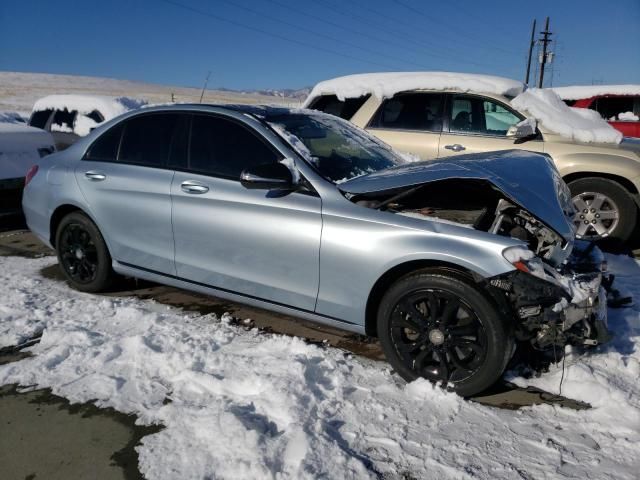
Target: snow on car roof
{"x": 553, "y": 115}
{"x": 109, "y": 107}
{"x": 579, "y": 92}
{"x": 387, "y": 84}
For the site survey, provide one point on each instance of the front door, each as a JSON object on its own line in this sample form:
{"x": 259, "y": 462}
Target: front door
{"x": 258, "y": 243}
{"x": 479, "y": 124}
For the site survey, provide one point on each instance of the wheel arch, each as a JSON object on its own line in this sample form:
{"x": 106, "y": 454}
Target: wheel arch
{"x": 56, "y": 217}
{"x": 624, "y": 182}
{"x": 399, "y": 271}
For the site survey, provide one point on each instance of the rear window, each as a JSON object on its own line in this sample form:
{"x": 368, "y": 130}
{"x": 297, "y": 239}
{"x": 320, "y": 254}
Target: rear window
{"x": 147, "y": 139}
{"x": 346, "y": 108}
{"x": 63, "y": 120}
{"x": 411, "y": 111}
{"x": 611, "y": 107}
{"x": 105, "y": 148}
{"x": 39, "y": 119}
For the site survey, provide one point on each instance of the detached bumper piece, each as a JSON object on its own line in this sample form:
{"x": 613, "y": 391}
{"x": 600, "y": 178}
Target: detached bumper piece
{"x": 560, "y": 307}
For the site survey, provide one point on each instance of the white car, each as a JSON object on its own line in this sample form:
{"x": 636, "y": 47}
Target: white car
{"x": 20, "y": 147}
{"x": 69, "y": 117}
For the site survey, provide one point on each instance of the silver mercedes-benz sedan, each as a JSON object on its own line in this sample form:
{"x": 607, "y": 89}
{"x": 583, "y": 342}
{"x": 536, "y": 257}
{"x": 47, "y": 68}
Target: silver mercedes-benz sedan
{"x": 451, "y": 263}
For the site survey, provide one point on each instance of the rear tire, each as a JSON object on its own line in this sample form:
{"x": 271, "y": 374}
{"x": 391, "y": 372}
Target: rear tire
{"x": 435, "y": 325}
{"x": 83, "y": 255}
{"x": 608, "y": 204}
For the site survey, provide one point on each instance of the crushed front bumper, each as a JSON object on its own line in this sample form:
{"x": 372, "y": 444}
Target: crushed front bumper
{"x": 567, "y": 306}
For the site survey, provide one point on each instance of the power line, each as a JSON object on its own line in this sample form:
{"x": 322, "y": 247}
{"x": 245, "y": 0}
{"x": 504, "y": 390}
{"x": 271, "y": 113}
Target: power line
{"x": 270, "y": 34}
{"x": 495, "y": 26}
{"x": 399, "y": 35}
{"x": 320, "y": 34}
{"x": 400, "y": 21}
{"x": 457, "y": 31}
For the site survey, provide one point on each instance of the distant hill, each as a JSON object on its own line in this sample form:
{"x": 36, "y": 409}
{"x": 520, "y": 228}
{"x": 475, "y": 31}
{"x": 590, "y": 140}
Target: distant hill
{"x": 19, "y": 91}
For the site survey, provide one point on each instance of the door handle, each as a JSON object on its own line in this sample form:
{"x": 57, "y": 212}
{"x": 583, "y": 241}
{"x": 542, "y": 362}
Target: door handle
{"x": 456, "y": 147}
{"x": 95, "y": 176}
{"x": 193, "y": 187}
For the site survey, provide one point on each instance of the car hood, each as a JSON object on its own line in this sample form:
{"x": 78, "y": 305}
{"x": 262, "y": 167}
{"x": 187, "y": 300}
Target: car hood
{"x": 529, "y": 179}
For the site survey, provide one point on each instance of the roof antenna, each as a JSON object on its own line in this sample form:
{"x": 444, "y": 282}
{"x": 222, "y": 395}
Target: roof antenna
{"x": 206, "y": 80}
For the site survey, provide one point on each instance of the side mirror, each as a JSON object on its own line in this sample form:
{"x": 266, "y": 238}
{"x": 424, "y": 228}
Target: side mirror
{"x": 525, "y": 128}
{"x": 270, "y": 176}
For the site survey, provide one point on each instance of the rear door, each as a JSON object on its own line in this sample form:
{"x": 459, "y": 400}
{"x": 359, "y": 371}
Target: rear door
{"x": 258, "y": 243}
{"x": 479, "y": 124}
{"x": 410, "y": 123}
{"x": 125, "y": 179}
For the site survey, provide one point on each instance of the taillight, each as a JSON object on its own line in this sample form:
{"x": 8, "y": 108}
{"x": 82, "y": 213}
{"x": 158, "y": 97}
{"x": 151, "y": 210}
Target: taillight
{"x": 30, "y": 174}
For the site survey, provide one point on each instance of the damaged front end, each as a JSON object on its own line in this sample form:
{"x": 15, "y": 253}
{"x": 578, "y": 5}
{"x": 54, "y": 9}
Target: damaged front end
{"x": 556, "y": 306}
{"x": 557, "y": 292}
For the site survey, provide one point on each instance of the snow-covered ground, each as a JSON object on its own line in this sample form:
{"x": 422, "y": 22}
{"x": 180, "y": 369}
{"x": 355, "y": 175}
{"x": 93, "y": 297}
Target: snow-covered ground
{"x": 244, "y": 404}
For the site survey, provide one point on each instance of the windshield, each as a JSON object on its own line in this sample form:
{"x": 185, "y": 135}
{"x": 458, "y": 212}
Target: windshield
{"x": 337, "y": 149}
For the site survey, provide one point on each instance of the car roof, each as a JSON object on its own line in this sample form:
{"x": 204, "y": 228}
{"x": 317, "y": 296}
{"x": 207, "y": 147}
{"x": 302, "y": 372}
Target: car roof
{"x": 387, "y": 84}
{"x": 579, "y": 92}
{"x": 263, "y": 112}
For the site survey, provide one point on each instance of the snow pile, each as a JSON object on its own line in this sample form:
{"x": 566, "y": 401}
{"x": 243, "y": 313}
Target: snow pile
{"x": 12, "y": 117}
{"x": 608, "y": 379}
{"x": 242, "y": 404}
{"x": 626, "y": 117}
{"x": 553, "y": 115}
{"x": 85, "y": 105}
{"x": 385, "y": 85}
{"x": 588, "y": 91}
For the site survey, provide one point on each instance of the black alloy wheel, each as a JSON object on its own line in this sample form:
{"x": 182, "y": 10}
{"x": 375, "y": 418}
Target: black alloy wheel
{"x": 441, "y": 326}
{"x": 79, "y": 256}
{"x": 83, "y": 254}
{"x": 438, "y": 336}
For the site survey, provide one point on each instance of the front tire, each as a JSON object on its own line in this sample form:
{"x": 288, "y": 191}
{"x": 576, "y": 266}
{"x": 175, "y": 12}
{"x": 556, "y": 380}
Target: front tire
{"x": 83, "y": 255}
{"x": 440, "y": 327}
{"x": 605, "y": 210}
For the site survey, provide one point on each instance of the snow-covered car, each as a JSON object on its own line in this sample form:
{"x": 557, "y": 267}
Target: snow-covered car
{"x": 69, "y": 117}
{"x": 438, "y": 114}
{"x": 618, "y": 104}
{"x": 20, "y": 148}
{"x": 449, "y": 263}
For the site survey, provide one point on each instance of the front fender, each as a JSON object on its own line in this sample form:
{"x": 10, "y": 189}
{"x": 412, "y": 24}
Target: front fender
{"x": 355, "y": 254}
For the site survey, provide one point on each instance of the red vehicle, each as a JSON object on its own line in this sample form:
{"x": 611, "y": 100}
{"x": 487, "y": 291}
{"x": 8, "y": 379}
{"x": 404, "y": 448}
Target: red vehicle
{"x": 618, "y": 104}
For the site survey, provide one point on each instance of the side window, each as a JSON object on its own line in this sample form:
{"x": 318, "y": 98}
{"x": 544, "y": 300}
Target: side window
{"x": 411, "y": 111}
{"x": 611, "y": 107}
{"x": 146, "y": 139}
{"x": 39, "y": 119}
{"x": 96, "y": 116}
{"x": 462, "y": 115}
{"x": 224, "y": 148}
{"x": 105, "y": 148}
{"x": 63, "y": 121}
{"x": 482, "y": 116}
{"x": 497, "y": 118}
{"x": 346, "y": 108}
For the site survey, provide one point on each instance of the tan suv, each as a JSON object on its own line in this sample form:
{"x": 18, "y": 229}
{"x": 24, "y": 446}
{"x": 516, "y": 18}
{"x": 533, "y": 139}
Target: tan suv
{"x": 435, "y": 115}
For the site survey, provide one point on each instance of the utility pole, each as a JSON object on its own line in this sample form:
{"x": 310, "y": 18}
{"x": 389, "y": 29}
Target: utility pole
{"x": 206, "y": 81}
{"x": 543, "y": 60}
{"x": 531, "y": 45}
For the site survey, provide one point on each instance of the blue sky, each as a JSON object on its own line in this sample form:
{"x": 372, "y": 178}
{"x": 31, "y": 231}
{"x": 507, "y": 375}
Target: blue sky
{"x": 249, "y": 44}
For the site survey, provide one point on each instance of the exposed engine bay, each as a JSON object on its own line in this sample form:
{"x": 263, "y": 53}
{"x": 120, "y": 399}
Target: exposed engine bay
{"x": 558, "y": 291}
